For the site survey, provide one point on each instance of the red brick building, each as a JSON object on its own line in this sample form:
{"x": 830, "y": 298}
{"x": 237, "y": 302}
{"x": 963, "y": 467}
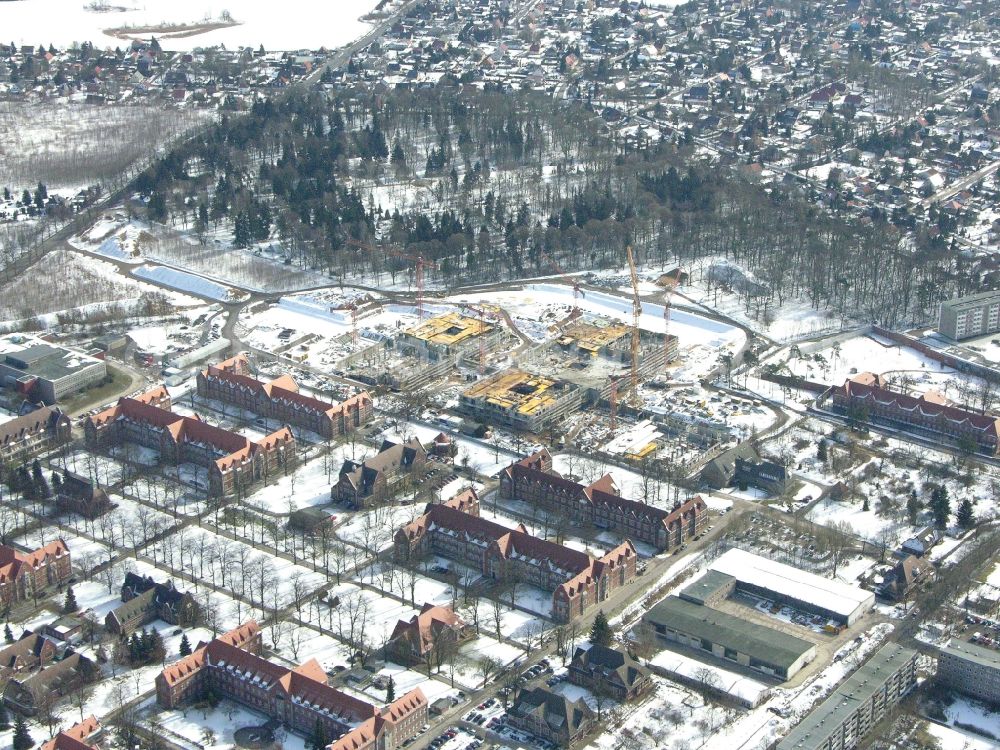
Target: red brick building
{"x": 230, "y": 666}
{"x": 82, "y": 736}
{"x": 577, "y": 580}
{"x": 23, "y": 574}
{"x": 232, "y": 383}
{"x": 234, "y": 462}
{"x": 412, "y": 640}
{"x": 599, "y": 504}
{"x": 868, "y": 398}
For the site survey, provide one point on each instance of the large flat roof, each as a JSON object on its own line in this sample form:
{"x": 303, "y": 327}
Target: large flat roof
{"x": 833, "y": 596}
{"x": 824, "y": 720}
{"x": 986, "y": 657}
{"x": 725, "y": 630}
{"x": 971, "y": 300}
{"x": 702, "y": 589}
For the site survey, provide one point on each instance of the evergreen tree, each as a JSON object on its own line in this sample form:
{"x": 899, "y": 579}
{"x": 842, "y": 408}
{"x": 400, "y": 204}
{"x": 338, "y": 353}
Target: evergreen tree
{"x": 966, "y": 516}
{"x": 22, "y": 737}
{"x": 940, "y": 506}
{"x": 390, "y": 691}
{"x": 319, "y": 739}
{"x": 600, "y": 632}
{"x": 70, "y": 606}
{"x": 185, "y": 647}
{"x": 913, "y": 507}
{"x": 865, "y": 506}
{"x": 7, "y": 635}
{"x": 821, "y": 450}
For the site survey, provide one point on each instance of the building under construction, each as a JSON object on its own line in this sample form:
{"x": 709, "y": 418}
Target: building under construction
{"x": 427, "y": 352}
{"x": 448, "y": 335}
{"x": 593, "y": 352}
{"x": 521, "y": 400}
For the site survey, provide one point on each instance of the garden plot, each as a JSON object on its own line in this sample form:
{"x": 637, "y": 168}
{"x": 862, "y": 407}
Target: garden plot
{"x": 669, "y": 717}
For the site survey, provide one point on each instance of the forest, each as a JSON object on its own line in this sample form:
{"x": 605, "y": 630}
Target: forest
{"x": 490, "y": 187}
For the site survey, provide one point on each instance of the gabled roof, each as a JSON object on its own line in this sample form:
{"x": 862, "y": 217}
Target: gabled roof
{"x": 74, "y": 738}
{"x": 13, "y": 562}
{"x": 30, "y": 424}
{"x": 422, "y": 629}
{"x": 864, "y": 388}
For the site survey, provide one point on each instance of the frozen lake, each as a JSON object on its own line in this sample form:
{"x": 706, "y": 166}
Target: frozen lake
{"x": 301, "y": 25}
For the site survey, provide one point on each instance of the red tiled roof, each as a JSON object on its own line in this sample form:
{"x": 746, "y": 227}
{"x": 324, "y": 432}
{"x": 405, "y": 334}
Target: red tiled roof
{"x": 74, "y": 738}
{"x": 859, "y": 388}
{"x": 12, "y": 561}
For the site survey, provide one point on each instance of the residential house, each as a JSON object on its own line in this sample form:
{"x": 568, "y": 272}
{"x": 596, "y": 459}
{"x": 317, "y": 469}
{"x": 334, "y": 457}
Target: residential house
{"x": 550, "y": 716}
{"x": 299, "y": 698}
{"x": 576, "y": 579}
{"x": 30, "y": 652}
{"x": 23, "y": 575}
{"x": 232, "y": 383}
{"x": 29, "y": 695}
{"x": 25, "y": 436}
{"x": 599, "y": 504}
{"x": 868, "y": 398}
{"x": 362, "y": 485}
{"x": 146, "y": 600}
{"x": 77, "y": 494}
{"x": 234, "y": 461}
{"x": 413, "y": 640}
{"x": 611, "y": 672}
{"x": 905, "y": 576}
{"x": 83, "y": 736}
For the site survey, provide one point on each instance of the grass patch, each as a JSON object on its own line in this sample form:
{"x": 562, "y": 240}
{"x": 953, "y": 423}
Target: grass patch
{"x": 105, "y": 391}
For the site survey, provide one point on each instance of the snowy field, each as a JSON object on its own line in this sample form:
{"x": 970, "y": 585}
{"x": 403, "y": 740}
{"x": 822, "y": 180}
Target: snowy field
{"x": 297, "y": 26}
{"x": 189, "y": 282}
{"x": 836, "y": 363}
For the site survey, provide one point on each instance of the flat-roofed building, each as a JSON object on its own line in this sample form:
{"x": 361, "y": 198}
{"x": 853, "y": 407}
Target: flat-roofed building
{"x": 731, "y": 638}
{"x": 447, "y": 336}
{"x": 521, "y": 400}
{"x": 970, "y": 316}
{"x": 797, "y": 588}
{"x": 970, "y": 669}
{"x": 45, "y": 371}
{"x": 843, "y": 719}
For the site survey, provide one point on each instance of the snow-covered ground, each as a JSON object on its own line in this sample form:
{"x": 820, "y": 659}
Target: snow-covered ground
{"x": 189, "y": 282}
{"x": 297, "y": 26}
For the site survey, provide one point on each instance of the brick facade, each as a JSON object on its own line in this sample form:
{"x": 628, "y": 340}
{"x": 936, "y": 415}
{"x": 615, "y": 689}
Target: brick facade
{"x": 232, "y": 383}
{"x": 234, "y": 462}
{"x": 231, "y": 666}
{"x": 533, "y": 480}
{"x": 22, "y": 574}
{"x": 577, "y": 580}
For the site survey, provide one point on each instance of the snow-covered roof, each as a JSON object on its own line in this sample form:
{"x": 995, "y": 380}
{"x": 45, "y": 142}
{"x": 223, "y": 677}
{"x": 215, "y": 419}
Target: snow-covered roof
{"x": 805, "y": 587}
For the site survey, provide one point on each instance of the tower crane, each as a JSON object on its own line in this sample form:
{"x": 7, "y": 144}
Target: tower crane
{"x": 636, "y": 313}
